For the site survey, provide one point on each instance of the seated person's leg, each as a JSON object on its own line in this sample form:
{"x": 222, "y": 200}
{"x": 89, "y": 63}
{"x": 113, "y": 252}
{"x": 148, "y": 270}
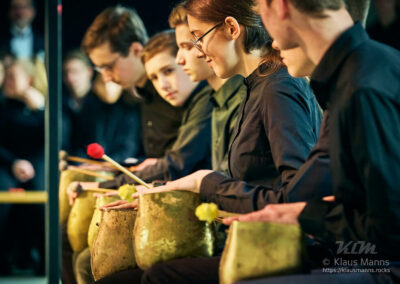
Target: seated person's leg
{"x": 130, "y": 276}
{"x": 185, "y": 270}
{"x": 326, "y": 278}
{"x": 83, "y": 271}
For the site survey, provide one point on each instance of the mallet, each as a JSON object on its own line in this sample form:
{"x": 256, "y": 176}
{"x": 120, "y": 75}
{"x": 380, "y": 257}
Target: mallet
{"x": 95, "y": 151}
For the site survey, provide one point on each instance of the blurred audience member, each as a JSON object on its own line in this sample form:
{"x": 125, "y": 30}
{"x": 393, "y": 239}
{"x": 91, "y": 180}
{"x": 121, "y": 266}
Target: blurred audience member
{"x": 21, "y": 166}
{"x": 21, "y": 40}
{"x": 103, "y": 114}
{"x": 387, "y": 25}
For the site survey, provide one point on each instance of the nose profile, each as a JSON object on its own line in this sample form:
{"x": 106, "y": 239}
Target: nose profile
{"x": 164, "y": 83}
{"x": 179, "y": 58}
{"x": 106, "y": 76}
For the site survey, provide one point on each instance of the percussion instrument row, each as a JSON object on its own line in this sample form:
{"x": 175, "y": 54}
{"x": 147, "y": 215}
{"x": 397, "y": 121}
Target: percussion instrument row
{"x": 165, "y": 227}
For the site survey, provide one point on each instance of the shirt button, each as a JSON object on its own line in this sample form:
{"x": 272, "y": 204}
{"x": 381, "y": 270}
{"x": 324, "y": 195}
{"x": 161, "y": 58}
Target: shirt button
{"x": 149, "y": 123}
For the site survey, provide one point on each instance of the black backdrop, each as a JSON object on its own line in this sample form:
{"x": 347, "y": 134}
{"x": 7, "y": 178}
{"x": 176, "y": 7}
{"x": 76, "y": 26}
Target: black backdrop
{"x": 78, "y": 14}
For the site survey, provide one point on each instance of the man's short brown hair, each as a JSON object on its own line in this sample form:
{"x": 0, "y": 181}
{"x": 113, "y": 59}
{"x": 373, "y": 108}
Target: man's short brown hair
{"x": 160, "y": 42}
{"x": 315, "y": 7}
{"x": 120, "y": 26}
{"x": 358, "y": 9}
{"x": 178, "y": 16}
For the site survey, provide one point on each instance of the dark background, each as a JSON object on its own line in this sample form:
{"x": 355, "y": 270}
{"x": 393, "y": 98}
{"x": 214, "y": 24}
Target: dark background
{"x": 79, "y": 14}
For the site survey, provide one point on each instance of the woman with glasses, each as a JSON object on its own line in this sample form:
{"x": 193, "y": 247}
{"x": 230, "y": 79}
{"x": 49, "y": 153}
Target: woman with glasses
{"x": 278, "y": 120}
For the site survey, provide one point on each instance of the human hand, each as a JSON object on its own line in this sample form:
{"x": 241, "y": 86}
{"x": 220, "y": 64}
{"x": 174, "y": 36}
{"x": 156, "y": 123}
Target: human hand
{"x": 277, "y": 213}
{"x": 76, "y": 187}
{"x": 191, "y": 183}
{"x": 120, "y": 204}
{"x": 23, "y": 170}
{"x": 144, "y": 164}
{"x": 33, "y": 99}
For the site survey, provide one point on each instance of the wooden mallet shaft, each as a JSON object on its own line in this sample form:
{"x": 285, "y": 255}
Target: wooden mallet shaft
{"x": 89, "y": 173}
{"x": 125, "y": 171}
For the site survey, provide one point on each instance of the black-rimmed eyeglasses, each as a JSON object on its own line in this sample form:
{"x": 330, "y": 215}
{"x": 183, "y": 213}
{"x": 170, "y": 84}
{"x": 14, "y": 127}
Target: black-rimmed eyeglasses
{"x": 198, "y": 44}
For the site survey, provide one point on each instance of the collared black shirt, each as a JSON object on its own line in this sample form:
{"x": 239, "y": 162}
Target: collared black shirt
{"x": 359, "y": 80}
{"x": 278, "y": 125}
{"x": 192, "y": 148}
{"x": 115, "y": 126}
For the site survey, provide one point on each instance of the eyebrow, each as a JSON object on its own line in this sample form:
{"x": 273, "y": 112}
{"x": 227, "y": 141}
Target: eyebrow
{"x": 159, "y": 70}
{"x": 186, "y": 43}
{"x": 165, "y": 67}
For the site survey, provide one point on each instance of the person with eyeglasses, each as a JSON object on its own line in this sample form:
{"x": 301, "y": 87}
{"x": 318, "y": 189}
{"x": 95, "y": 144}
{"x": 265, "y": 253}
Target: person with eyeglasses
{"x": 113, "y": 43}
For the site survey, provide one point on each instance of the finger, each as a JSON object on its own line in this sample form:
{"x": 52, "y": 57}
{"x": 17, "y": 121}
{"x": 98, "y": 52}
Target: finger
{"x": 329, "y": 198}
{"x": 113, "y": 204}
{"x": 72, "y": 198}
{"x": 228, "y": 221}
{"x": 129, "y": 205}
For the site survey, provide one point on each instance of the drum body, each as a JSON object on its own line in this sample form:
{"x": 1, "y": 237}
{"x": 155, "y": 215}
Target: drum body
{"x": 79, "y": 220}
{"x": 66, "y": 178}
{"x": 167, "y": 228}
{"x": 260, "y": 249}
{"x": 94, "y": 224}
{"x": 113, "y": 248}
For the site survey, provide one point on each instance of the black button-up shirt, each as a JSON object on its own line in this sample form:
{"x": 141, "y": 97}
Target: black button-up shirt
{"x": 278, "y": 125}
{"x": 115, "y": 126}
{"x": 359, "y": 80}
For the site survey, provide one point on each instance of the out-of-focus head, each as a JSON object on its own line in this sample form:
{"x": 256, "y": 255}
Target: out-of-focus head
{"x": 358, "y": 10}
{"x": 108, "y": 92}
{"x": 297, "y": 61}
{"x": 77, "y": 73}
{"x": 114, "y": 42}
{"x": 169, "y": 79}
{"x": 188, "y": 56}
{"x": 225, "y": 30}
{"x": 278, "y": 17}
{"x": 22, "y": 12}
{"x": 18, "y": 78}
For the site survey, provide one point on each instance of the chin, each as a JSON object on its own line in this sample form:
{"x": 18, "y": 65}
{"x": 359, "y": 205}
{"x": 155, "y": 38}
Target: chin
{"x": 194, "y": 78}
{"x": 222, "y": 73}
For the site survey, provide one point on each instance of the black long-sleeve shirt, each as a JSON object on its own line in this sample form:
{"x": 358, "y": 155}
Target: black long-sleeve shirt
{"x": 22, "y": 133}
{"x": 22, "y": 137}
{"x": 277, "y": 127}
{"x": 359, "y": 80}
{"x": 192, "y": 148}
{"x": 114, "y": 126}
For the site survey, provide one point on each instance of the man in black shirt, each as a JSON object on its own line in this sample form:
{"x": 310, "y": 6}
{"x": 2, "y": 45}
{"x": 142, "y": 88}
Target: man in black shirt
{"x": 114, "y": 42}
{"x": 357, "y": 79}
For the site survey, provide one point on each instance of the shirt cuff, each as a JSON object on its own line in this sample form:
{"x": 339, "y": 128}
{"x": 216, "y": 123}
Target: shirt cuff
{"x": 312, "y": 218}
{"x": 209, "y": 186}
{"x": 109, "y": 184}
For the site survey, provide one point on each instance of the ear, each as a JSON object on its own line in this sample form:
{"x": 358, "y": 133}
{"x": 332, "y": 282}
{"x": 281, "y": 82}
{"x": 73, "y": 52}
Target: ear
{"x": 282, "y": 9}
{"x": 233, "y": 27}
{"x": 136, "y": 48}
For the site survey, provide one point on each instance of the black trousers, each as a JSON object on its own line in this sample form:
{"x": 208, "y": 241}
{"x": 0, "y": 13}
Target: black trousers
{"x": 178, "y": 271}
{"x": 317, "y": 277}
